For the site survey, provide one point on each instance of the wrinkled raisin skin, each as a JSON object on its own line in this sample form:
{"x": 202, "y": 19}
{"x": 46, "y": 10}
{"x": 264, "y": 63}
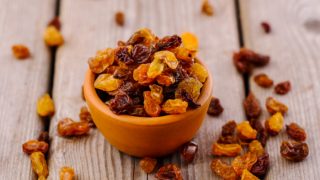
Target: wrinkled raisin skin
{"x": 252, "y": 106}
{"x": 120, "y": 103}
{"x": 261, "y": 167}
{"x": 283, "y": 88}
{"x": 169, "y": 171}
{"x": 44, "y": 136}
{"x": 229, "y": 128}
{"x": 296, "y": 132}
{"x": 215, "y": 108}
{"x": 223, "y": 169}
{"x": 294, "y": 150}
{"x": 188, "y": 151}
{"x": 169, "y": 42}
{"x": 141, "y": 53}
{"x": 122, "y": 54}
{"x": 34, "y": 146}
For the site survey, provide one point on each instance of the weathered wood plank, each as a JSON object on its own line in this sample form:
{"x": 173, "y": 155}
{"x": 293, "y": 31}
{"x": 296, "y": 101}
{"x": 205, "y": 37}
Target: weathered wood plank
{"x": 22, "y": 82}
{"x": 88, "y": 26}
{"x": 294, "y": 48}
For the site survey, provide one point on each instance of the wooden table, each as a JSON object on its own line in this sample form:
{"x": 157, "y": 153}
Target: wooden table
{"x": 88, "y": 25}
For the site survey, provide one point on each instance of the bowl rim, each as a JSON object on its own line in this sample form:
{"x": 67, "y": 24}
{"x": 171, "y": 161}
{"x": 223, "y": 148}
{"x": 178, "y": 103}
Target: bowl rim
{"x": 91, "y": 95}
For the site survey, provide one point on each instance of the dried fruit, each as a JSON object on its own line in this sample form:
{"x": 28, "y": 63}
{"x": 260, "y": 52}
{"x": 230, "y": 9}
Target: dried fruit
{"x": 274, "y": 106}
{"x": 296, "y": 132}
{"x": 185, "y": 54}
{"x": 252, "y": 106}
{"x": 186, "y": 97}
{"x": 86, "y": 116}
{"x": 175, "y": 106}
{"x": 123, "y": 54}
{"x": 141, "y": 53}
{"x": 243, "y": 162}
{"x": 55, "y": 22}
{"x": 230, "y": 150}
{"x": 263, "y": 80}
{"x": 156, "y": 93}
{"x": 45, "y": 106}
{"x": 188, "y": 151}
{"x": 245, "y": 131}
{"x": 168, "y": 42}
{"x": 169, "y": 171}
{"x": 246, "y": 175}
{"x": 148, "y": 164}
{"x": 223, "y": 170}
{"x": 274, "y": 124}
{"x": 68, "y": 127}
{"x": 283, "y": 87}
{"x": 35, "y": 146}
{"x": 20, "y": 51}
{"x": 262, "y": 135}
{"x": 143, "y": 36}
{"x": 44, "y": 136}
{"x": 39, "y": 165}
{"x": 256, "y": 147}
{"x": 151, "y": 107}
{"x": 106, "y": 82}
{"x": 101, "y": 61}
{"x": 260, "y": 168}
{"x": 190, "y": 85}
{"x": 190, "y": 41}
{"x": 229, "y": 128}
{"x": 266, "y": 27}
{"x": 52, "y": 36}
{"x": 167, "y": 57}
{"x": 294, "y": 150}
{"x": 215, "y": 108}
{"x": 200, "y": 72}
{"x": 120, "y": 103}
{"x": 119, "y": 18}
{"x": 228, "y": 139}
{"x": 207, "y": 8}
{"x": 165, "y": 80}
{"x": 156, "y": 68}
{"x": 67, "y": 173}
{"x": 140, "y": 75}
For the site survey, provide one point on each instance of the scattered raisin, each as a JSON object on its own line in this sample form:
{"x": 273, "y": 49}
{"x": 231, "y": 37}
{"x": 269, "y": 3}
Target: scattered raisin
{"x": 252, "y": 106}
{"x": 148, "y": 164}
{"x": 245, "y": 131}
{"x": 256, "y": 147}
{"x": 263, "y": 80}
{"x": 207, "y": 8}
{"x": 68, "y": 127}
{"x": 283, "y": 87}
{"x": 229, "y": 128}
{"x": 39, "y": 164}
{"x": 45, "y": 106}
{"x": 274, "y": 124}
{"x": 86, "y": 116}
{"x": 296, "y": 132}
{"x": 66, "y": 173}
{"x": 294, "y": 150}
{"x": 223, "y": 170}
{"x": 230, "y": 150}
{"x": 55, "y": 22}
{"x": 169, "y": 171}
{"x": 266, "y": 27}
{"x": 188, "y": 151}
{"x": 273, "y": 106}
{"x": 228, "y": 139}
{"x": 20, "y": 51}
{"x": 34, "y": 146}
{"x": 119, "y": 18}
{"x": 141, "y": 53}
{"x": 215, "y": 108}
{"x": 44, "y": 136}
{"x": 261, "y": 167}
{"x": 169, "y": 42}
{"x": 52, "y": 36}
{"x": 243, "y": 162}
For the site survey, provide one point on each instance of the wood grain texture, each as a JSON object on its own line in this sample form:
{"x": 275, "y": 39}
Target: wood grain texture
{"x": 22, "y": 82}
{"x": 88, "y": 26}
{"x": 293, "y": 45}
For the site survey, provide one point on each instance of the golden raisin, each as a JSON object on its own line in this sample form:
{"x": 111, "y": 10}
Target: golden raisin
{"x": 294, "y": 150}
{"x": 20, "y": 51}
{"x": 143, "y": 36}
{"x": 151, "y": 107}
{"x": 68, "y": 127}
{"x": 230, "y": 150}
{"x": 247, "y": 175}
{"x": 39, "y": 165}
{"x": 156, "y": 68}
{"x": 245, "y": 131}
{"x": 165, "y": 80}
{"x": 52, "y": 36}
{"x": 106, "y": 82}
{"x": 263, "y": 80}
{"x": 35, "y": 146}
{"x": 246, "y": 161}
{"x": 167, "y": 57}
{"x": 256, "y": 147}
{"x": 274, "y": 124}
{"x": 67, "y": 173}
{"x": 274, "y": 106}
{"x": 296, "y": 132}
{"x": 156, "y": 93}
{"x": 191, "y": 86}
{"x": 175, "y": 106}
{"x": 45, "y": 106}
{"x": 120, "y": 18}
{"x": 184, "y": 54}
{"x": 148, "y": 164}
{"x": 223, "y": 170}
{"x": 190, "y": 41}
{"x": 199, "y": 72}
{"x": 169, "y": 171}
{"x": 101, "y": 61}
{"x": 140, "y": 75}
{"x": 207, "y": 8}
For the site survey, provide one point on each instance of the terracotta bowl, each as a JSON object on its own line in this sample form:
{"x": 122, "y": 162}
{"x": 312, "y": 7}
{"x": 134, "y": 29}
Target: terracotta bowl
{"x": 146, "y": 136}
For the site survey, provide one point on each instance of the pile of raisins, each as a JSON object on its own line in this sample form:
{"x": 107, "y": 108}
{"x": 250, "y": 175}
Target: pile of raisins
{"x": 150, "y": 76}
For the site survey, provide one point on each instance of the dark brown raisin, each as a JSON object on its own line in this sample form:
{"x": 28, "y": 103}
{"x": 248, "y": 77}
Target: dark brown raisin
{"x": 294, "y": 150}
{"x": 188, "y": 151}
{"x": 296, "y": 132}
{"x": 266, "y": 27}
{"x": 85, "y": 115}
{"x": 169, "y": 42}
{"x": 55, "y": 22}
{"x": 137, "y": 110}
{"x": 228, "y": 139}
{"x": 122, "y": 54}
{"x": 119, "y": 18}
{"x": 262, "y": 134}
{"x": 263, "y": 80}
{"x": 120, "y": 103}
{"x": 44, "y": 136}
{"x": 169, "y": 172}
{"x": 252, "y": 106}
{"x": 229, "y": 128}
{"x": 187, "y": 97}
{"x": 283, "y": 88}
{"x": 261, "y": 167}
{"x": 215, "y": 108}
{"x": 121, "y": 73}
{"x": 141, "y": 53}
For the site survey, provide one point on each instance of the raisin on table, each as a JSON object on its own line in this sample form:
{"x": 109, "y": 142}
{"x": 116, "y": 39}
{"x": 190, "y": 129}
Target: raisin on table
{"x": 188, "y": 151}
{"x": 296, "y": 132}
{"x": 148, "y": 164}
{"x": 294, "y": 150}
{"x": 215, "y": 108}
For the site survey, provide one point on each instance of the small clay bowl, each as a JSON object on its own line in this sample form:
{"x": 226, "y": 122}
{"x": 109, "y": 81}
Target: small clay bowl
{"x": 146, "y": 136}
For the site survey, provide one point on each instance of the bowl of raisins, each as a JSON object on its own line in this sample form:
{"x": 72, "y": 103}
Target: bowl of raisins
{"x": 149, "y": 95}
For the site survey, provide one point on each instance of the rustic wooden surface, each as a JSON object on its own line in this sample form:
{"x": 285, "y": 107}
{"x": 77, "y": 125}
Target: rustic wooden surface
{"x": 22, "y": 82}
{"x": 294, "y": 49}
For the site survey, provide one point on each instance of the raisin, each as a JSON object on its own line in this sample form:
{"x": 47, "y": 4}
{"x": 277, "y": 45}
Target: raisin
{"x": 294, "y": 150}
{"x": 86, "y": 116}
{"x": 180, "y": 74}
{"x": 122, "y": 73}
{"x": 137, "y": 110}
{"x": 20, "y": 51}
{"x": 101, "y": 61}
{"x": 165, "y": 80}
{"x": 186, "y": 97}
{"x": 230, "y": 150}
{"x": 274, "y": 124}
{"x": 156, "y": 93}
{"x": 283, "y": 87}
{"x": 106, "y": 82}
{"x": 229, "y": 128}
{"x": 168, "y": 58}
{"x": 123, "y": 54}
{"x": 190, "y": 85}
{"x": 52, "y": 36}
{"x": 190, "y": 41}
{"x": 247, "y": 175}
{"x": 120, "y": 103}
{"x": 68, "y": 127}
{"x": 66, "y": 173}
{"x": 273, "y": 106}
{"x": 207, "y": 8}
{"x": 230, "y": 139}
{"x": 143, "y": 36}
{"x": 131, "y": 88}
{"x": 245, "y": 131}
{"x": 246, "y": 161}
{"x": 266, "y": 27}
{"x": 256, "y": 147}
{"x": 45, "y": 106}
{"x": 263, "y": 80}
{"x": 262, "y": 134}
{"x": 140, "y": 75}
{"x": 296, "y": 132}
{"x": 44, "y": 136}
{"x": 184, "y": 54}
{"x": 199, "y": 72}
{"x": 175, "y": 106}
{"x": 215, "y": 108}
{"x": 148, "y": 164}
{"x": 188, "y": 151}
{"x": 151, "y": 107}
{"x": 223, "y": 170}
{"x": 169, "y": 171}
{"x": 119, "y": 18}
{"x": 169, "y": 42}
{"x": 141, "y": 53}
{"x": 252, "y": 107}
{"x": 39, "y": 165}
{"x": 156, "y": 68}
{"x": 261, "y": 167}
{"x": 34, "y": 146}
